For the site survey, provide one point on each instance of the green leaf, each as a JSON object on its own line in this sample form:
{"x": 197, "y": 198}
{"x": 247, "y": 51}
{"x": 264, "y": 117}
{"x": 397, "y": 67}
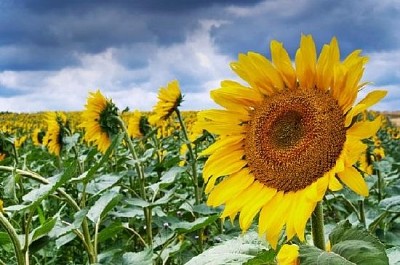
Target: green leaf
{"x": 394, "y": 255}
{"x": 187, "y": 227}
{"x": 115, "y": 142}
{"x": 265, "y": 257}
{"x": 101, "y": 183}
{"x": 43, "y": 230}
{"x": 104, "y": 204}
{"x": 4, "y": 239}
{"x": 110, "y": 231}
{"x": 167, "y": 178}
{"x": 234, "y": 251}
{"x": 357, "y": 245}
{"x": 310, "y": 255}
{"x": 35, "y": 196}
{"x": 391, "y": 204}
{"x": 139, "y": 258}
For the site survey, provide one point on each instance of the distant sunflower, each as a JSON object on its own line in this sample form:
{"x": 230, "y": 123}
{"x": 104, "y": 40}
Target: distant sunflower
{"x": 169, "y": 98}
{"x": 99, "y": 120}
{"x": 137, "y": 125}
{"x": 37, "y": 137}
{"x": 288, "y": 137}
{"x": 53, "y": 138}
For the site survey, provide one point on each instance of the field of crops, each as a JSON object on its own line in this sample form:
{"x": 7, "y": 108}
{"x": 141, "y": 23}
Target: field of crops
{"x": 290, "y": 170}
{"x": 84, "y": 205}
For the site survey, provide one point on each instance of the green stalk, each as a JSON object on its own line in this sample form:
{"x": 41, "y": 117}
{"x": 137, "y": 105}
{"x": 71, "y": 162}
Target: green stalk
{"x": 68, "y": 199}
{"x": 139, "y": 169}
{"x": 193, "y": 160}
{"x": 14, "y": 239}
{"x": 361, "y": 207}
{"x": 317, "y": 226}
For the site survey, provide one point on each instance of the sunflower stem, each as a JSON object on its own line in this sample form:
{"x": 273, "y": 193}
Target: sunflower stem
{"x": 139, "y": 169}
{"x": 193, "y": 161}
{"x": 14, "y": 239}
{"x": 317, "y": 226}
{"x": 362, "y": 213}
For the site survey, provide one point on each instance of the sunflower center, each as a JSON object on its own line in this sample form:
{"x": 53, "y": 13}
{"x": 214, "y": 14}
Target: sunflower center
{"x": 287, "y": 130}
{"x": 294, "y": 138}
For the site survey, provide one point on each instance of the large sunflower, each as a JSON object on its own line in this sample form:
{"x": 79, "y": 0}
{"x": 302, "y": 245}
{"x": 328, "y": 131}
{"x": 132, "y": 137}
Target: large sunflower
{"x": 99, "y": 120}
{"x": 288, "y": 137}
{"x": 53, "y": 139}
{"x": 169, "y": 98}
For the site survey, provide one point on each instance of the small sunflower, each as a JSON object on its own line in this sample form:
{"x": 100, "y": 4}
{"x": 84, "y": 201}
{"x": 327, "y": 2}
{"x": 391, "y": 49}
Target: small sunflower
{"x": 53, "y": 139}
{"x": 287, "y": 137}
{"x": 99, "y": 120}
{"x": 169, "y": 98}
{"x": 137, "y": 125}
{"x": 288, "y": 255}
{"x": 37, "y": 137}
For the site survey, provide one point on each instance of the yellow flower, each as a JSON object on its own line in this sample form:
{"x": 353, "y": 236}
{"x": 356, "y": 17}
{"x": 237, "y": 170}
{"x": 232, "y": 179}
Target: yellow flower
{"x": 137, "y": 125}
{"x": 288, "y": 255}
{"x": 37, "y": 137}
{"x": 169, "y": 98}
{"x": 287, "y": 137}
{"x": 54, "y": 135}
{"x": 2, "y": 156}
{"x": 99, "y": 120}
{"x": 1, "y": 206}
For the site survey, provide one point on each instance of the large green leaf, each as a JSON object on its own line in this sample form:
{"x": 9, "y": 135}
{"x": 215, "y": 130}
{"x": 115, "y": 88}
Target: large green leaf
{"x": 104, "y": 204}
{"x": 34, "y": 197}
{"x": 139, "y": 258}
{"x": 234, "y": 251}
{"x": 187, "y": 227}
{"x": 43, "y": 230}
{"x": 391, "y": 204}
{"x": 310, "y": 255}
{"x": 101, "y": 183}
{"x": 350, "y": 245}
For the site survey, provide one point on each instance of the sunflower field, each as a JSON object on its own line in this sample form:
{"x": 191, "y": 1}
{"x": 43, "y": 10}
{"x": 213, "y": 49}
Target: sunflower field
{"x": 290, "y": 170}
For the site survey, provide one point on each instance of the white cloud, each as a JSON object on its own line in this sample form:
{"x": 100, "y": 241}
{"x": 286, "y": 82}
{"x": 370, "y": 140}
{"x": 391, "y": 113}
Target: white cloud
{"x": 196, "y": 59}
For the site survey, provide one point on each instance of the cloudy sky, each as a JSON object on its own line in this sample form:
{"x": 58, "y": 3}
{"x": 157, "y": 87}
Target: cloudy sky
{"x": 52, "y": 53}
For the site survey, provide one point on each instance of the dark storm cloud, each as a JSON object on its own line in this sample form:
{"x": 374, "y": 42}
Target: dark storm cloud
{"x": 357, "y": 24}
{"x": 49, "y": 34}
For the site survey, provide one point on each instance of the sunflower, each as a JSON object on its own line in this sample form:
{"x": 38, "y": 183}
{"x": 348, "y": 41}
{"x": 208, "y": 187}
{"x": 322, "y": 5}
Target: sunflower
{"x": 169, "y": 98}
{"x": 99, "y": 120}
{"x": 288, "y": 255}
{"x": 55, "y": 132}
{"x": 137, "y": 125}
{"x": 287, "y": 137}
{"x": 37, "y": 137}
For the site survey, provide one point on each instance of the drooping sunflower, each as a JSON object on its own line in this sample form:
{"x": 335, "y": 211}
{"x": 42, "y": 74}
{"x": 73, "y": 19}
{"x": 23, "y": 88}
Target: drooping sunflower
{"x": 169, "y": 98}
{"x": 287, "y": 137}
{"x": 99, "y": 120}
{"x": 53, "y": 138}
{"x": 137, "y": 125}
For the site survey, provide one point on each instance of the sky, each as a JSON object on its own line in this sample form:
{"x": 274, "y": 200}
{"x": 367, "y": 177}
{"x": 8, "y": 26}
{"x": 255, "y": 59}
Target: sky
{"x": 53, "y": 53}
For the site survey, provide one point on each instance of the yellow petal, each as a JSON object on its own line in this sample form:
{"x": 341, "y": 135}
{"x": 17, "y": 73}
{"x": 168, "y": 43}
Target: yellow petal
{"x": 365, "y": 129}
{"x": 281, "y": 60}
{"x": 235, "y": 204}
{"x": 353, "y": 179}
{"x": 250, "y": 210}
{"x": 227, "y": 142}
{"x": 230, "y": 187}
{"x": 306, "y": 58}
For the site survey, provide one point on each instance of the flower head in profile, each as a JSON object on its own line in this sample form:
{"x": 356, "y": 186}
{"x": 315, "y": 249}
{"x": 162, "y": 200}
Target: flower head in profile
{"x": 53, "y": 139}
{"x": 138, "y": 125}
{"x": 99, "y": 120}
{"x": 288, "y": 255}
{"x": 169, "y": 98}
{"x": 287, "y": 136}
{"x": 37, "y": 137}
